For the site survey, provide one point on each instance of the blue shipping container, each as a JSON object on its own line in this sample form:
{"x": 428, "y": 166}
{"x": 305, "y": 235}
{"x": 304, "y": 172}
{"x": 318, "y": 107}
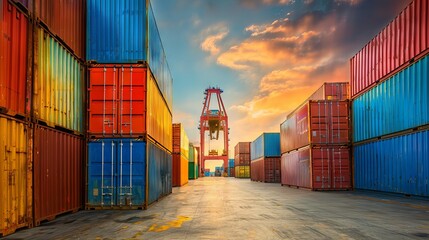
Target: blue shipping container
{"x": 266, "y": 145}
{"x": 230, "y": 163}
{"x": 399, "y": 164}
{"x": 116, "y": 173}
{"x": 117, "y": 33}
{"x": 160, "y": 168}
{"x": 398, "y": 104}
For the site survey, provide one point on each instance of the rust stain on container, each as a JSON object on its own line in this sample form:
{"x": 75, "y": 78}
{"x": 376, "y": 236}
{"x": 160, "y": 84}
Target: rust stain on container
{"x": 58, "y": 173}
{"x": 65, "y": 19}
{"x": 13, "y": 59}
{"x": 15, "y": 176}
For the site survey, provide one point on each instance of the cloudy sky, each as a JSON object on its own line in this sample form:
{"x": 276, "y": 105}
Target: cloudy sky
{"x": 267, "y": 55}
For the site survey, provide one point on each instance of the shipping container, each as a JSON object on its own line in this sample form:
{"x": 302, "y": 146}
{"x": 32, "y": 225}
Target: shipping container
{"x": 242, "y": 171}
{"x": 317, "y": 168}
{"x": 180, "y": 140}
{"x": 58, "y": 172}
{"x": 66, "y": 20}
{"x": 59, "y": 80}
{"x": 242, "y": 159}
{"x": 126, "y": 32}
{"x": 266, "y": 145}
{"x": 397, "y": 104}
{"x": 231, "y": 172}
{"x": 265, "y": 169}
{"x": 242, "y": 147}
{"x": 401, "y": 42}
{"x": 316, "y": 122}
{"x": 180, "y": 170}
{"x": 117, "y": 100}
{"x": 160, "y": 168}
{"x": 116, "y": 174}
{"x": 332, "y": 91}
{"x": 15, "y": 176}
{"x": 231, "y": 163}
{"x": 192, "y": 170}
{"x": 398, "y": 165}
{"x": 13, "y": 60}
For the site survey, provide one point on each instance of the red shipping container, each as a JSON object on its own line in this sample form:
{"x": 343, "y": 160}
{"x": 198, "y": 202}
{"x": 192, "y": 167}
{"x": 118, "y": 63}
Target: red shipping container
{"x": 58, "y": 173}
{"x": 317, "y": 168}
{"x": 242, "y": 147}
{"x": 403, "y": 41}
{"x": 117, "y": 101}
{"x": 316, "y": 122}
{"x": 13, "y": 60}
{"x": 65, "y": 19}
{"x": 332, "y": 91}
{"x": 265, "y": 170}
{"x": 242, "y": 159}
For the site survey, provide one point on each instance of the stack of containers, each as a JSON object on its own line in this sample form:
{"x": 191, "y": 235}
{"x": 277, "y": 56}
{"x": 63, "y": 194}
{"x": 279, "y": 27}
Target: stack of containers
{"x": 242, "y": 160}
{"x": 315, "y": 141}
{"x": 200, "y": 172}
{"x": 193, "y": 162}
{"x": 130, "y": 106}
{"x": 265, "y": 158}
{"x": 390, "y": 92}
{"x": 207, "y": 172}
{"x": 231, "y": 171}
{"x": 15, "y": 129}
{"x": 180, "y": 156}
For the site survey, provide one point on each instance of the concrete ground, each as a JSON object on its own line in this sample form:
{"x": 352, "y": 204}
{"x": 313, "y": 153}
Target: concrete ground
{"x": 229, "y": 208}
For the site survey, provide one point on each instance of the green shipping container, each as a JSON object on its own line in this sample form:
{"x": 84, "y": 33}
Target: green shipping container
{"x": 193, "y": 170}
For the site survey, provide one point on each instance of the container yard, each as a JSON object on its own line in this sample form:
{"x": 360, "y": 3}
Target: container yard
{"x": 314, "y": 125}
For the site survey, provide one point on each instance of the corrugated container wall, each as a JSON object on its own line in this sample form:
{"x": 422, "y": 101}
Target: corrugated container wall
{"x": 180, "y": 170}
{"x": 332, "y": 91}
{"x": 117, "y": 33}
{"x": 316, "y": 122}
{"x": 117, "y": 101}
{"x": 399, "y": 164}
{"x": 266, "y": 145}
{"x": 160, "y": 172}
{"x": 192, "y": 170}
{"x": 159, "y": 117}
{"x": 15, "y": 176}
{"x": 66, "y": 20}
{"x": 242, "y": 159}
{"x": 317, "y": 168}
{"x": 397, "y": 104}
{"x": 58, "y": 173}
{"x": 265, "y": 169}
{"x": 58, "y": 85}
{"x": 13, "y": 59}
{"x": 404, "y": 40}
{"x": 242, "y": 147}
{"x": 116, "y": 174}
{"x": 242, "y": 171}
{"x": 180, "y": 140}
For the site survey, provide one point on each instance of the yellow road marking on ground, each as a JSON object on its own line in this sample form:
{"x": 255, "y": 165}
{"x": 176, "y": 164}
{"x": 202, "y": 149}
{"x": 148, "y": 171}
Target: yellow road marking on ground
{"x": 175, "y": 224}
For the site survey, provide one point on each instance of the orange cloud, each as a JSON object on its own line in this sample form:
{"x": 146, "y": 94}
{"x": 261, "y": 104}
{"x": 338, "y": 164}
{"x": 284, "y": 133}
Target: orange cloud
{"x": 209, "y": 44}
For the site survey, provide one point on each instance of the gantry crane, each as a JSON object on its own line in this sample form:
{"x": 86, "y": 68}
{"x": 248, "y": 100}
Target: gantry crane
{"x": 214, "y": 121}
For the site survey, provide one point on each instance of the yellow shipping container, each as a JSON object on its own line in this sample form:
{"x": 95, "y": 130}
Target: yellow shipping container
{"x": 159, "y": 119}
{"x": 15, "y": 176}
{"x": 242, "y": 171}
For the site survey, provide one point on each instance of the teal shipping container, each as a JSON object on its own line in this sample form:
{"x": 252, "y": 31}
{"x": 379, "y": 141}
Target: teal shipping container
{"x": 266, "y": 145}
{"x": 397, "y": 104}
{"x": 398, "y": 165}
{"x": 126, "y": 32}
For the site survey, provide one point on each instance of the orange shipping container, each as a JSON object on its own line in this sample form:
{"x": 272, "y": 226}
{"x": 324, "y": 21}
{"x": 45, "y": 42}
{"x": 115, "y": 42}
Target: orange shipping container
{"x": 13, "y": 59}
{"x": 180, "y": 170}
{"x": 15, "y": 176}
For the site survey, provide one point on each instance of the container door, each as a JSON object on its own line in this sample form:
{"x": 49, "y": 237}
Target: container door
{"x": 341, "y": 168}
{"x": 131, "y": 172}
{"x": 321, "y": 168}
{"x": 101, "y": 173}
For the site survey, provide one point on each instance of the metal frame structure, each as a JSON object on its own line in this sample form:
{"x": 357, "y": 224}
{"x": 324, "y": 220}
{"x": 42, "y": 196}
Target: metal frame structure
{"x": 213, "y": 121}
